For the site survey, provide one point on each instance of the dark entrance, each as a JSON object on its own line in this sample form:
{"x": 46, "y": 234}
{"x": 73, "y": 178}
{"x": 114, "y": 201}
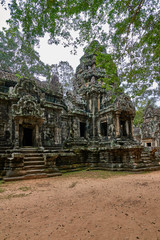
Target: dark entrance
{"x": 148, "y": 144}
{"x": 123, "y": 128}
{"x": 82, "y": 129}
{"x": 27, "y": 137}
{"x": 104, "y": 129}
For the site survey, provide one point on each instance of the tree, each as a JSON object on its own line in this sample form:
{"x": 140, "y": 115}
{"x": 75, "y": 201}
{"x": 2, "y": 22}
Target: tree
{"x": 140, "y": 109}
{"x": 19, "y": 56}
{"x": 65, "y": 73}
{"x": 133, "y": 37}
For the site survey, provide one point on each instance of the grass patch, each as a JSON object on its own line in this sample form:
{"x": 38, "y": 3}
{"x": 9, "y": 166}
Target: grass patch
{"x": 2, "y": 190}
{"x": 10, "y": 196}
{"x": 95, "y": 174}
{"x": 73, "y": 184}
{"x": 24, "y": 188}
{"x": 1, "y": 182}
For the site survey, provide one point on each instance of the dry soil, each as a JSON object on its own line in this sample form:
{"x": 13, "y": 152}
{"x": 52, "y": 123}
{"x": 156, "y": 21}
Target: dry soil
{"x": 82, "y": 206}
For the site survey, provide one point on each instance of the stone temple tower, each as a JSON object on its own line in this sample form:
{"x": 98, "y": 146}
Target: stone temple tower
{"x": 100, "y": 119}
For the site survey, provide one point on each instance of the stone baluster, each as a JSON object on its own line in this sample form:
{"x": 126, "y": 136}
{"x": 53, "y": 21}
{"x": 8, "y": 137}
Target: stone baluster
{"x": 93, "y": 116}
{"x": 16, "y": 134}
{"x": 127, "y": 128}
{"x": 117, "y": 125}
{"x": 37, "y": 137}
{"x": 131, "y": 127}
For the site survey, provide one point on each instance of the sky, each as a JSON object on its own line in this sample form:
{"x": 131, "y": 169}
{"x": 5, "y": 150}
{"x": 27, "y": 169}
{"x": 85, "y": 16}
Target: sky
{"x": 53, "y": 54}
{"x": 49, "y": 54}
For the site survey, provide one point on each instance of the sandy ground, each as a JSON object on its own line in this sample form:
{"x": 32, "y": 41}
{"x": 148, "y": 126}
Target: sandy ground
{"x": 81, "y": 208}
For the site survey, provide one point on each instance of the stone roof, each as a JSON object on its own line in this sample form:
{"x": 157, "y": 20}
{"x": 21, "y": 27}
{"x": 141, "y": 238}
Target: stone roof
{"x": 53, "y": 87}
{"x": 8, "y": 76}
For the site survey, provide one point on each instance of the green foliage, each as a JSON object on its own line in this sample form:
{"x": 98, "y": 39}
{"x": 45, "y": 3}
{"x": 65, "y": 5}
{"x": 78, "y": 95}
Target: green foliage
{"x": 133, "y": 37}
{"x": 138, "y": 120}
{"x": 111, "y": 79}
{"x": 141, "y": 107}
{"x": 18, "y": 55}
{"x": 65, "y": 73}
{"x": 94, "y": 48}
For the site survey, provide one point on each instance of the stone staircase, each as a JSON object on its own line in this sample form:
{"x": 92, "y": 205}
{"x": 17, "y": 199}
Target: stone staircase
{"x": 147, "y": 162}
{"x": 33, "y": 165}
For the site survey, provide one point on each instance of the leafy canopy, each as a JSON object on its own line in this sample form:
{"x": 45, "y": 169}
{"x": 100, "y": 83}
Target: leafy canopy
{"x": 18, "y": 56}
{"x": 133, "y": 36}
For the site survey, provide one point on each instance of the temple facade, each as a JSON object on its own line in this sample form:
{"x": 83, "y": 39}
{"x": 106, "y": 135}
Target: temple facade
{"x": 43, "y": 132}
{"x": 150, "y": 130}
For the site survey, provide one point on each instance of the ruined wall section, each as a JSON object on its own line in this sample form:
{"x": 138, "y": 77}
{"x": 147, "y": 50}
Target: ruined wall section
{"x": 151, "y": 127}
{"x": 5, "y": 124}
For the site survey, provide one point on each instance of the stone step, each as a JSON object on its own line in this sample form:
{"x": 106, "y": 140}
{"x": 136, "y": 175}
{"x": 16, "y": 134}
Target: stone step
{"x": 34, "y": 155}
{"x": 147, "y": 156}
{"x": 35, "y": 175}
{"x": 147, "y": 162}
{"x": 30, "y": 150}
{"x": 33, "y": 158}
{"x": 148, "y": 168}
{"x": 29, "y": 163}
{"x": 29, "y": 167}
{"x": 35, "y": 171}
{"x": 41, "y": 175}
{"x": 7, "y": 179}
{"x": 146, "y": 159}
{"x": 32, "y": 176}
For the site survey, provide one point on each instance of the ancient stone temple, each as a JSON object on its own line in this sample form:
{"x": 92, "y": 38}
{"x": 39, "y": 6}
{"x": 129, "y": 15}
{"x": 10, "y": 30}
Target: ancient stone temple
{"x": 43, "y": 132}
{"x": 151, "y": 127}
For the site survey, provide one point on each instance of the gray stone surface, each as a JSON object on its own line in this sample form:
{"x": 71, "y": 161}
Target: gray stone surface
{"x": 43, "y": 132}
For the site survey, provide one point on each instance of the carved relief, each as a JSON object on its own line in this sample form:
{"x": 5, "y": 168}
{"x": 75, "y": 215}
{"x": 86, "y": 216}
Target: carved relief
{"x": 28, "y": 106}
{"x": 27, "y": 87}
{"x": 123, "y": 103}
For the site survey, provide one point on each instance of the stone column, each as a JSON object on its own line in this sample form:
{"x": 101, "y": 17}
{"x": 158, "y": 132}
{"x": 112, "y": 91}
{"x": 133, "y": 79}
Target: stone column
{"x": 98, "y": 102}
{"x": 93, "y": 116}
{"x": 37, "y": 136}
{"x": 90, "y": 105}
{"x": 131, "y": 127}
{"x": 57, "y": 136}
{"x": 127, "y": 128}
{"x": 16, "y": 144}
{"x": 99, "y": 129}
{"x": 117, "y": 125}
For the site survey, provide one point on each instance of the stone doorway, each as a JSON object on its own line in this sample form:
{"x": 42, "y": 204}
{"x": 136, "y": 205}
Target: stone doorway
{"x": 27, "y": 137}
{"x": 82, "y": 129}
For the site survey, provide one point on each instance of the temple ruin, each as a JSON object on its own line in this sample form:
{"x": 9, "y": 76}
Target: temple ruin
{"x": 44, "y": 133}
{"x": 149, "y": 133}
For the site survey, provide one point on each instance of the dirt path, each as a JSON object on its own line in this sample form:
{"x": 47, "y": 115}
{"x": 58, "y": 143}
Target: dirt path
{"x": 81, "y": 208}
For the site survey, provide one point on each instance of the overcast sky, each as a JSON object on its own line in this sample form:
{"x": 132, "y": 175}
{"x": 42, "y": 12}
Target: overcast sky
{"x": 49, "y": 54}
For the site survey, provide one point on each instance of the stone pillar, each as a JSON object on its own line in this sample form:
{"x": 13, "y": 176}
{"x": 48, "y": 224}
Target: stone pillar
{"x": 37, "y": 140}
{"x": 98, "y": 102}
{"x": 93, "y": 117}
{"x": 127, "y": 128}
{"x": 131, "y": 127}
{"x": 16, "y": 144}
{"x": 117, "y": 125}
{"x": 90, "y": 105}
{"x": 99, "y": 129}
{"x": 57, "y": 136}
